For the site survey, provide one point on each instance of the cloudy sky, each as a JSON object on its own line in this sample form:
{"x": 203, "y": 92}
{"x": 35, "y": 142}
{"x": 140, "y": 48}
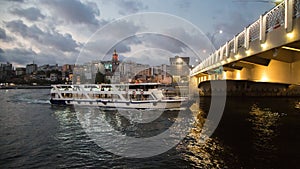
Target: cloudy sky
{"x": 77, "y": 31}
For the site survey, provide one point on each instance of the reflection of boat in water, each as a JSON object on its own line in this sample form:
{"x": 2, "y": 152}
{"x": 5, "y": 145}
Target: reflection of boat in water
{"x": 140, "y": 96}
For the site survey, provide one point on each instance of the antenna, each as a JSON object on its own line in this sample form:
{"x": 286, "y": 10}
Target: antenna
{"x": 33, "y": 59}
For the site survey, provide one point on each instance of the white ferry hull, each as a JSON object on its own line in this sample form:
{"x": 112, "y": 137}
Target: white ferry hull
{"x": 164, "y": 104}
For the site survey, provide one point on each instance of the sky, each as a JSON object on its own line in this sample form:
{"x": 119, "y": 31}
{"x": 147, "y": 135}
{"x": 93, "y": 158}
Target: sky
{"x": 145, "y": 31}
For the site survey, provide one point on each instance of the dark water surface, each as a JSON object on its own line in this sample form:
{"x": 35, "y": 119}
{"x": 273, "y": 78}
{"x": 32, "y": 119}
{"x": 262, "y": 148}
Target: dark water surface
{"x": 253, "y": 133}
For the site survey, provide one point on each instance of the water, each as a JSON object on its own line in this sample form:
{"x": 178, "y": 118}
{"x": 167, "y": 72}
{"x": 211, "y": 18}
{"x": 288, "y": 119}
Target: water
{"x": 253, "y": 133}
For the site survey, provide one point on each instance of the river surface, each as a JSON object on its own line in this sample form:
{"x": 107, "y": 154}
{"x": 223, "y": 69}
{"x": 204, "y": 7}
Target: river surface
{"x": 253, "y": 133}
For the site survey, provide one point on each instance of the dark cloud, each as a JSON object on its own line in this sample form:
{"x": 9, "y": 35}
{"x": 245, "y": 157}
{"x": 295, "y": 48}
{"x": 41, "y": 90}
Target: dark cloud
{"x": 4, "y": 37}
{"x": 31, "y": 13}
{"x": 15, "y": 0}
{"x": 117, "y": 35}
{"x": 74, "y": 11}
{"x": 17, "y": 55}
{"x": 52, "y": 39}
{"x": 128, "y": 6}
{"x": 22, "y": 56}
{"x": 163, "y": 42}
{"x": 1, "y": 50}
{"x": 2, "y": 34}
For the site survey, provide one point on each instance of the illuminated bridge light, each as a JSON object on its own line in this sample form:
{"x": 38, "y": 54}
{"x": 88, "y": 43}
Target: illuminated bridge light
{"x": 290, "y": 35}
{"x": 290, "y": 48}
{"x": 248, "y": 52}
{"x": 264, "y": 45}
{"x": 236, "y": 56}
{"x": 224, "y": 75}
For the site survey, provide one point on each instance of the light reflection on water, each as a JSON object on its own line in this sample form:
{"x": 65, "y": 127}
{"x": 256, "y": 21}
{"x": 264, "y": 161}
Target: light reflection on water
{"x": 264, "y": 123}
{"x": 208, "y": 154}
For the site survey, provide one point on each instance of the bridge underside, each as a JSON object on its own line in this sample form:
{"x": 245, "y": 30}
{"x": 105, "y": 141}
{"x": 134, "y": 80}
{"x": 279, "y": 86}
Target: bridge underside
{"x": 277, "y": 65}
{"x": 277, "y": 60}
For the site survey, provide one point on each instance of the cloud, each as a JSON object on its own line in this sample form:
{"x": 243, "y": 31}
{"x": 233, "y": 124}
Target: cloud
{"x": 128, "y": 6}
{"x": 4, "y": 37}
{"x": 15, "y": 0}
{"x": 230, "y": 27}
{"x": 1, "y": 50}
{"x": 2, "y": 34}
{"x": 17, "y": 55}
{"x": 163, "y": 42}
{"x": 23, "y": 56}
{"x": 31, "y": 14}
{"x": 118, "y": 35}
{"x": 183, "y": 4}
{"x": 74, "y": 11}
{"x": 52, "y": 39}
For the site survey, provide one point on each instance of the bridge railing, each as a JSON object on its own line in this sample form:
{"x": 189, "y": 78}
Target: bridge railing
{"x": 254, "y": 30}
{"x": 276, "y": 17}
{"x": 297, "y": 9}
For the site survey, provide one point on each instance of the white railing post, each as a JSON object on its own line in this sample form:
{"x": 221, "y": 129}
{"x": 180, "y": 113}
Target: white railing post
{"x": 222, "y": 53}
{"x": 246, "y": 36}
{"x": 235, "y": 44}
{"x": 227, "y": 50}
{"x": 262, "y": 28}
{"x": 288, "y": 15}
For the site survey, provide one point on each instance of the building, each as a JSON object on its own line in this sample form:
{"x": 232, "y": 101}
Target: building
{"x": 180, "y": 69}
{"x": 132, "y": 71}
{"x": 6, "y": 71}
{"x": 162, "y": 74}
{"x": 20, "y": 71}
{"x": 30, "y": 68}
{"x": 67, "y": 72}
{"x": 53, "y": 77}
{"x": 115, "y": 61}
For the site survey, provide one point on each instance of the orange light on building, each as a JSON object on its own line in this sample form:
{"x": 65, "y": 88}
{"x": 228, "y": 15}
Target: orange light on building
{"x": 264, "y": 77}
{"x": 238, "y": 75}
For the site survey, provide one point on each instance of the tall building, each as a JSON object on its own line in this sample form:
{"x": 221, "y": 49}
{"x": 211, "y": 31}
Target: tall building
{"x": 115, "y": 61}
{"x": 180, "y": 69}
{"x": 30, "y": 68}
{"x": 6, "y": 71}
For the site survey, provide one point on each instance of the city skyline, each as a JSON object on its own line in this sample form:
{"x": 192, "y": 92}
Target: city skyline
{"x": 51, "y": 32}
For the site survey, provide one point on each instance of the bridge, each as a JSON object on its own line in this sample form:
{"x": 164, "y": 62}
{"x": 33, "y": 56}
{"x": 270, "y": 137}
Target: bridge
{"x": 268, "y": 50}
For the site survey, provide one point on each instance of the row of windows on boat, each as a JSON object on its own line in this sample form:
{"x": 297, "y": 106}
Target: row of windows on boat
{"x": 109, "y": 96}
{"x": 107, "y": 88}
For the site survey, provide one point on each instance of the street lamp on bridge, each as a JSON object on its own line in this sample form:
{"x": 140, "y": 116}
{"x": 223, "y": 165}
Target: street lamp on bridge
{"x": 212, "y": 37}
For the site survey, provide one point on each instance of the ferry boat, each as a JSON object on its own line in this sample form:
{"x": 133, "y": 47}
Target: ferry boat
{"x": 137, "y": 96}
